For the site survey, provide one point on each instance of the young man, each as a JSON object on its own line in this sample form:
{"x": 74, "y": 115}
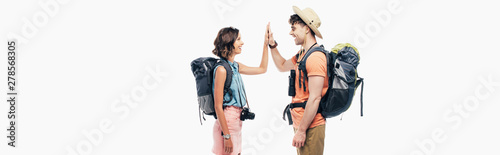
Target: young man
{"x": 309, "y": 126}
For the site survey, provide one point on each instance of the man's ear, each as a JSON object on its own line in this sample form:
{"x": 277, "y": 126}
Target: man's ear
{"x": 308, "y": 29}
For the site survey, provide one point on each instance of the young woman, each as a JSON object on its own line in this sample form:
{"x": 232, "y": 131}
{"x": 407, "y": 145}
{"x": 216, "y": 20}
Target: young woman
{"x": 227, "y": 127}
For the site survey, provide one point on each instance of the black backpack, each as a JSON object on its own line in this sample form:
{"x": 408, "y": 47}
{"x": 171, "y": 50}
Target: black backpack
{"x": 343, "y": 80}
{"x": 203, "y": 71}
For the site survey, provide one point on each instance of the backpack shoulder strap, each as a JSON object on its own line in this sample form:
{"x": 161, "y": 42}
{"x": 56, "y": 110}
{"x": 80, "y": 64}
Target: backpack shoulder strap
{"x": 320, "y": 48}
{"x": 302, "y": 64}
{"x": 229, "y": 77}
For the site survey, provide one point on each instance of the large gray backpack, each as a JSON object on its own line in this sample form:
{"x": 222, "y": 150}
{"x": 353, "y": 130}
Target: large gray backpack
{"x": 343, "y": 80}
{"x": 203, "y": 70}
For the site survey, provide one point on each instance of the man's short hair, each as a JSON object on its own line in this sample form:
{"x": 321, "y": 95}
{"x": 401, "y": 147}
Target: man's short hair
{"x": 295, "y": 19}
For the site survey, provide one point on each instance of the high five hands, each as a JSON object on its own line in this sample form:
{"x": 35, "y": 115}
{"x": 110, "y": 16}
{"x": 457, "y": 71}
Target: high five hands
{"x": 269, "y": 39}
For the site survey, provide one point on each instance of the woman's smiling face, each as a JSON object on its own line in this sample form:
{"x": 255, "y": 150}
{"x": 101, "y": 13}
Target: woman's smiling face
{"x": 238, "y": 44}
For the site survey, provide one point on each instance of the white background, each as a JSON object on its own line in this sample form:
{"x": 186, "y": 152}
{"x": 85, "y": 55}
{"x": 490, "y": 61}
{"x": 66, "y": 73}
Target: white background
{"x": 419, "y": 65}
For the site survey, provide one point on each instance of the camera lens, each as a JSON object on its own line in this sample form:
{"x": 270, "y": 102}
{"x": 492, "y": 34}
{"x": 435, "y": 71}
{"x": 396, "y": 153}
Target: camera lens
{"x": 251, "y": 115}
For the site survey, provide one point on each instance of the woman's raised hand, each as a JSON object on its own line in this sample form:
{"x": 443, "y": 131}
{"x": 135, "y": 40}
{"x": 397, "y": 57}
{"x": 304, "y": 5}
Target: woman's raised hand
{"x": 266, "y": 36}
{"x": 270, "y": 37}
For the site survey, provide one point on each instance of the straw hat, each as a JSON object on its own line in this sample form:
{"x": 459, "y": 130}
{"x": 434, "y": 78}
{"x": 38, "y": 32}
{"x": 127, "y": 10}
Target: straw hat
{"x": 310, "y": 18}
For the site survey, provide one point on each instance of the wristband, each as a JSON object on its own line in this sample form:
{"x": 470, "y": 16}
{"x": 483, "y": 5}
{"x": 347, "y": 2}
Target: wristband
{"x": 275, "y": 45}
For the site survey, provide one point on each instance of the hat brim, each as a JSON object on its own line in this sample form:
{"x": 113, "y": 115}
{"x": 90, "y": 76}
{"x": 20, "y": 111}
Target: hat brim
{"x": 307, "y": 21}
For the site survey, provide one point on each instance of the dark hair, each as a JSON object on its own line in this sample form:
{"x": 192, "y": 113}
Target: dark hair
{"x": 295, "y": 19}
{"x": 224, "y": 43}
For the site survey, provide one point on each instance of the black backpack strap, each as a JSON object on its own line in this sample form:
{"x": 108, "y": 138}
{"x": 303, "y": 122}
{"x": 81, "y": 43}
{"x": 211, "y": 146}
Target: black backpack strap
{"x": 358, "y": 82}
{"x": 287, "y": 113}
{"x": 289, "y": 107}
{"x": 229, "y": 78}
{"x": 302, "y": 65}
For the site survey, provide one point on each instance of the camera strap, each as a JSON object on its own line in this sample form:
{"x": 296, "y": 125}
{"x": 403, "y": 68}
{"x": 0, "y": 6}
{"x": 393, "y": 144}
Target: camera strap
{"x": 242, "y": 88}
{"x": 246, "y": 99}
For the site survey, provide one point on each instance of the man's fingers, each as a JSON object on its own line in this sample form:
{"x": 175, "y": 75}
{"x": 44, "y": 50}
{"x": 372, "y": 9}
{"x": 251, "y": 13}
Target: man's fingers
{"x": 298, "y": 144}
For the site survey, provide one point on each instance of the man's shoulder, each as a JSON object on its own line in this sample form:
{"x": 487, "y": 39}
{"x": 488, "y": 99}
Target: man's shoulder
{"x": 319, "y": 54}
{"x": 316, "y": 56}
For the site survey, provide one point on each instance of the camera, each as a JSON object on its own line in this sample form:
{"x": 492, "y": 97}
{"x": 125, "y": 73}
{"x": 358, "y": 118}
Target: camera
{"x": 291, "y": 83}
{"x": 246, "y": 114}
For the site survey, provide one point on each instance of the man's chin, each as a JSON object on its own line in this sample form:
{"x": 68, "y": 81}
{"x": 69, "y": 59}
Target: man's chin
{"x": 297, "y": 42}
